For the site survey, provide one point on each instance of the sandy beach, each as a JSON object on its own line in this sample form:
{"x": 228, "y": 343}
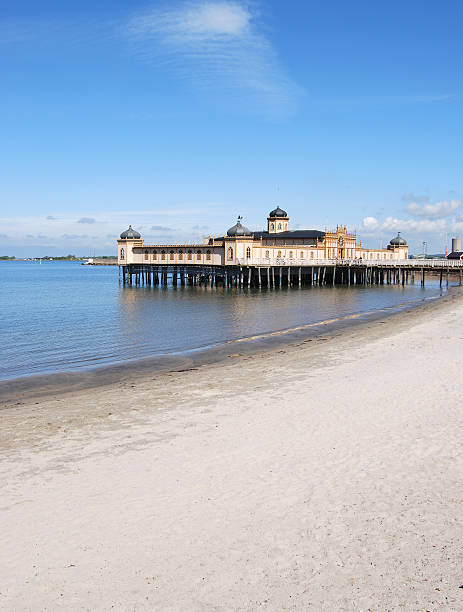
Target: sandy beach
{"x": 323, "y": 475}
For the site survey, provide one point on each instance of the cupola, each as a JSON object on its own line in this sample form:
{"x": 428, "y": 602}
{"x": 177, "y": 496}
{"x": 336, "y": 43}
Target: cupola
{"x": 239, "y": 230}
{"x": 130, "y": 234}
{"x": 278, "y": 212}
{"x": 398, "y": 241}
{"x": 277, "y": 221}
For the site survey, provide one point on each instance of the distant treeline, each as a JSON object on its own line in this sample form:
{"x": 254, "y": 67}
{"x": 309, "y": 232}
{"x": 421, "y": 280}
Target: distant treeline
{"x": 50, "y": 258}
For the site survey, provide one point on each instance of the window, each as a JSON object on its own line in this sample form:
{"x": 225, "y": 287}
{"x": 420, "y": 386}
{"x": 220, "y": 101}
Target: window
{"x": 122, "y": 254}
{"x": 279, "y": 226}
{"x": 172, "y": 256}
{"x": 302, "y": 255}
{"x": 311, "y": 254}
{"x": 198, "y": 255}
{"x": 155, "y": 254}
{"x": 286, "y": 226}
{"x": 279, "y": 254}
{"x": 190, "y": 255}
{"x": 163, "y": 255}
{"x": 248, "y": 252}
{"x": 267, "y": 254}
{"x": 272, "y": 226}
{"x": 208, "y": 255}
{"x": 180, "y": 255}
{"x": 146, "y": 255}
{"x": 290, "y": 254}
{"x": 229, "y": 254}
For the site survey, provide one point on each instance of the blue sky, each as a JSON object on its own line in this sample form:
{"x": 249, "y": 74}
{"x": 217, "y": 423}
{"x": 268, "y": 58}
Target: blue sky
{"x": 178, "y": 116}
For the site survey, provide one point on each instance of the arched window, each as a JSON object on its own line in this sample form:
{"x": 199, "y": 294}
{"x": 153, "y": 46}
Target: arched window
{"x": 172, "y": 256}
{"x": 180, "y": 255}
{"x": 155, "y": 254}
{"x": 229, "y": 254}
{"x": 272, "y": 226}
{"x": 290, "y": 254}
{"x": 279, "y": 254}
{"x": 122, "y": 254}
{"x": 267, "y": 254}
{"x": 279, "y": 226}
{"x": 163, "y": 255}
{"x": 248, "y": 253}
{"x": 198, "y": 255}
{"x": 208, "y": 255}
{"x": 302, "y": 255}
{"x": 286, "y": 226}
{"x": 190, "y": 255}
{"x": 146, "y": 255}
{"x": 311, "y": 254}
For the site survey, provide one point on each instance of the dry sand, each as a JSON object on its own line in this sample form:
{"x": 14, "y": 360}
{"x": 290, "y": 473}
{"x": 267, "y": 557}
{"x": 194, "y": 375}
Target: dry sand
{"x": 324, "y": 476}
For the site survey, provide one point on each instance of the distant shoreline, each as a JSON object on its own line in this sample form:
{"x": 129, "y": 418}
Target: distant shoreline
{"x": 98, "y": 261}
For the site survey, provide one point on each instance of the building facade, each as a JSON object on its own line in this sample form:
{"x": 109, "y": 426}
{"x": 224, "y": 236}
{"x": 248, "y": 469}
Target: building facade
{"x": 277, "y": 245}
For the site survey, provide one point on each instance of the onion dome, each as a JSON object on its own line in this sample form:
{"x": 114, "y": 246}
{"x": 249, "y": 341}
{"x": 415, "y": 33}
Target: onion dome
{"x": 130, "y": 234}
{"x": 398, "y": 241}
{"x": 278, "y": 212}
{"x": 239, "y": 230}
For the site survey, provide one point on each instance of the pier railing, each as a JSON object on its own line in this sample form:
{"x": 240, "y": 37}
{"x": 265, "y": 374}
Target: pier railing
{"x": 394, "y": 263}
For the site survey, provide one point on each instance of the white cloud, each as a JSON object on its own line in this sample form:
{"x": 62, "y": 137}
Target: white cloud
{"x": 217, "y": 46}
{"x": 440, "y": 209}
{"x": 372, "y": 226}
{"x": 370, "y": 223}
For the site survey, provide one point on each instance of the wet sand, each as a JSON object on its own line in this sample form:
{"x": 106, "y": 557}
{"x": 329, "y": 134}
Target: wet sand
{"x": 322, "y": 474}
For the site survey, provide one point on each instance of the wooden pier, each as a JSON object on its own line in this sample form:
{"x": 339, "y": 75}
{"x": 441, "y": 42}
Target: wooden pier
{"x": 290, "y": 273}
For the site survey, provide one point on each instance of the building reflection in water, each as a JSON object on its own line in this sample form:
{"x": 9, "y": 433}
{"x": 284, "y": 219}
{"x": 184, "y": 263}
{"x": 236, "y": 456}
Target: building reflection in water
{"x": 158, "y": 320}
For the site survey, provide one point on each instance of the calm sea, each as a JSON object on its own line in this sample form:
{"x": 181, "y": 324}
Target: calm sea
{"x": 62, "y": 316}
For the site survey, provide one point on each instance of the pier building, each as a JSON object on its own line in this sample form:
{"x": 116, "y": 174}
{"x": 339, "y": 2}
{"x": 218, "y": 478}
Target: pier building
{"x": 276, "y": 245}
{"x": 274, "y": 257}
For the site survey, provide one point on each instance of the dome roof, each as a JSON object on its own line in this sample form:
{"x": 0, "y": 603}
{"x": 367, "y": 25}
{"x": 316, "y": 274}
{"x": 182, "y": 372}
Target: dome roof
{"x": 239, "y": 230}
{"x": 130, "y": 234}
{"x": 398, "y": 241}
{"x": 278, "y": 212}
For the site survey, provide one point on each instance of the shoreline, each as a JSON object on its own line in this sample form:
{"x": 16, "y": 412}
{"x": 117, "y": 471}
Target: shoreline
{"x": 324, "y": 475}
{"x": 42, "y": 386}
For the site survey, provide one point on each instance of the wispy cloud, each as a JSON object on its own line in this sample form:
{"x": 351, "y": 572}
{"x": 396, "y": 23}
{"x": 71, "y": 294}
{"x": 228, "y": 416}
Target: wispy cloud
{"x": 218, "y": 46}
{"x": 161, "y": 228}
{"x": 411, "y": 197}
{"x": 74, "y": 236}
{"x": 37, "y": 237}
{"x": 439, "y": 209}
{"x": 87, "y": 220}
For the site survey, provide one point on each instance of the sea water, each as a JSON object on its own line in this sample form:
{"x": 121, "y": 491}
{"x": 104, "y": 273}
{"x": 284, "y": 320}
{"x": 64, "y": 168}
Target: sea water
{"x": 64, "y": 316}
